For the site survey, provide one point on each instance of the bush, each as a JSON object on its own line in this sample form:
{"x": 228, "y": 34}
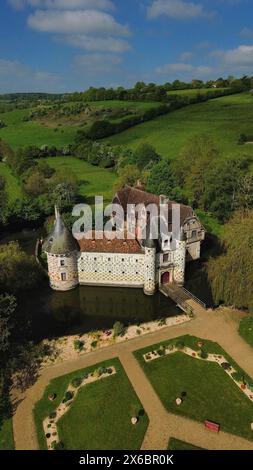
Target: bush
{"x": 53, "y": 415}
{"x": 78, "y": 345}
{"x": 76, "y": 382}
{"x": 68, "y": 396}
{"x": 57, "y": 445}
{"x": 238, "y": 377}
{"x": 94, "y": 344}
{"x": 180, "y": 345}
{"x": 203, "y": 354}
{"x": 118, "y": 329}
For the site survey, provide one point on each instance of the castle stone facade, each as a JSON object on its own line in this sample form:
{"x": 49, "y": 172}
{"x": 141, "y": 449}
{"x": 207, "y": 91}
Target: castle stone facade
{"x": 116, "y": 262}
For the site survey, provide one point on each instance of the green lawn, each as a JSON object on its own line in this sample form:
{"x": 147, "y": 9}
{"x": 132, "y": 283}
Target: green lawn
{"x": 224, "y": 119}
{"x": 13, "y": 187}
{"x": 246, "y": 329}
{"x": 176, "y": 444}
{"x": 211, "y": 393}
{"x": 100, "y": 416}
{"x": 6, "y": 435}
{"x": 94, "y": 181}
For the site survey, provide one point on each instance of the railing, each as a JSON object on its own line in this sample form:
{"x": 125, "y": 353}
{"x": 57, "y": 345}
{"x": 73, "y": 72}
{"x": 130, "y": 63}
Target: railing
{"x": 193, "y": 297}
{"x": 180, "y": 296}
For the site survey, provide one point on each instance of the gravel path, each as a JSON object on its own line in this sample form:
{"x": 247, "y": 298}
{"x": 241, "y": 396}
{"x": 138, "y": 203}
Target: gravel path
{"x": 220, "y": 326}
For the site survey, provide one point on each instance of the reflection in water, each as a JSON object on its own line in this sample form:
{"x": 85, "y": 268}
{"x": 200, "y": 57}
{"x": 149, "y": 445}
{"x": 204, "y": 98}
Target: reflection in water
{"x": 49, "y": 313}
{"x": 89, "y": 308}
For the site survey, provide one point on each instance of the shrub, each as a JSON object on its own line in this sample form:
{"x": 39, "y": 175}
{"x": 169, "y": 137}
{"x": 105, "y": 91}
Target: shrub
{"x": 76, "y": 382}
{"x": 118, "y": 329}
{"x": 180, "y": 344}
{"x": 238, "y": 377}
{"x": 203, "y": 354}
{"x": 53, "y": 415}
{"x": 57, "y": 445}
{"x": 94, "y": 344}
{"x": 78, "y": 345}
{"x": 68, "y": 396}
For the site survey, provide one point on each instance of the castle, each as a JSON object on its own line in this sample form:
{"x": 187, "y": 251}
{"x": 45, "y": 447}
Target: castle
{"x": 145, "y": 264}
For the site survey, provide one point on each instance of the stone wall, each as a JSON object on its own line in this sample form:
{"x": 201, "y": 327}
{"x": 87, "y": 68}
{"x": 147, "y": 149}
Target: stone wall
{"x": 111, "y": 269}
{"x": 62, "y": 270}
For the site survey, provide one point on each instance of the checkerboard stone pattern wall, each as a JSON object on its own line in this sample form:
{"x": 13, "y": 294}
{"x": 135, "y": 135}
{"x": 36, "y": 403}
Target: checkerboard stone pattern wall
{"x": 62, "y": 270}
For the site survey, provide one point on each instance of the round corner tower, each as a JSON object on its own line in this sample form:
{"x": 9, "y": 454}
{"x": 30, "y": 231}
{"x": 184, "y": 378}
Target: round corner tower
{"x": 179, "y": 260}
{"x": 150, "y": 268}
{"x": 62, "y": 252}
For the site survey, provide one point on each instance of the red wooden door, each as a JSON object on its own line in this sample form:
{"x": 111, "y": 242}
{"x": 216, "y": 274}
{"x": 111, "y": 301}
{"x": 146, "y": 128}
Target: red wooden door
{"x": 166, "y": 278}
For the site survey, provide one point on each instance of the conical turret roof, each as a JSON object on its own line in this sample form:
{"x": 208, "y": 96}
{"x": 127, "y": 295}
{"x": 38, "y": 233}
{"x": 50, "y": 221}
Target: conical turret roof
{"x": 60, "y": 241}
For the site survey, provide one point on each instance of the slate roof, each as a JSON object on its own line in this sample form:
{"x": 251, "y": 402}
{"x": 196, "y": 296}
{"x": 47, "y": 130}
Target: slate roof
{"x": 61, "y": 240}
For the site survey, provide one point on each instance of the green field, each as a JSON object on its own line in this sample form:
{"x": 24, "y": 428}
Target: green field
{"x": 210, "y": 392}
{"x": 18, "y": 133}
{"x": 6, "y": 435}
{"x": 176, "y": 444}
{"x": 13, "y": 187}
{"x": 246, "y": 329}
{"x": 100, "y": 416}
{"x": 195, "y": 91}
{"x": 94, "y": 181}
{"x": 21, "y": 134}
{"x": 224, "y": 119}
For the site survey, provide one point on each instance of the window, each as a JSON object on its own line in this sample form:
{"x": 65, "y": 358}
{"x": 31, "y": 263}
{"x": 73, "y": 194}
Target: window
{"x": 166, "y": 242}
{"x": 109, "y": 259}
{"x": 62, "y": 262}
{"x": 63, "y": 276}
{"x": 165, "y": 258}
{"x": 123, "y": 259}
{"x": 194, "y": 233}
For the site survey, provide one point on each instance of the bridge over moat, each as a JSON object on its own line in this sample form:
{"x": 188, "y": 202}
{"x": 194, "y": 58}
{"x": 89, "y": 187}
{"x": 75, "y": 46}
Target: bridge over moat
{"x": 182, "y": 297}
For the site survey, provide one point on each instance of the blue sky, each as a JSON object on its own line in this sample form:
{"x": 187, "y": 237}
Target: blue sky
{"x": 67, "y": 45}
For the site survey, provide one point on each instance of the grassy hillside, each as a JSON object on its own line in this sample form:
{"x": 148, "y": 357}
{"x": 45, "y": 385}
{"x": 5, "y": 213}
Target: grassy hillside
{"x": 93, "y": 181}
{"x": 195, "y": 91}
{"x": 56, "y": 131}
{"x": 19, "y": 133}
{"x": 224, "y": 119}
{"x": 13, "y": 186}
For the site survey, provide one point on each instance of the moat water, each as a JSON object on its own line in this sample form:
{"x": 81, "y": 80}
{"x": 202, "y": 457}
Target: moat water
{"x": 51, "y": 314}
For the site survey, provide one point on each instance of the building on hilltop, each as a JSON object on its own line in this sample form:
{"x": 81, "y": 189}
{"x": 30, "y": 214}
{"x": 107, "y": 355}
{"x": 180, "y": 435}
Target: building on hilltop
{"x": 144, "y": 263}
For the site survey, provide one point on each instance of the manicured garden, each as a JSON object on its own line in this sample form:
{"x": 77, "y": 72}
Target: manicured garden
{"x": 205, "y": 390}
{"x": 100, "y": 415}
{"x": 176, "y": 444}
{"x": 6, "y": 435}
{"x": 246, "y": 329}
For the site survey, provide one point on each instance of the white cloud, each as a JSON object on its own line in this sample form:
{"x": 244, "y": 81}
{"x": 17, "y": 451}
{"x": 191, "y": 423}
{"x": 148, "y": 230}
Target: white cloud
{"x": 78, "y": 21}
{"x": 178, "y": 9}
{"x": 93, "y": 64}
{"x": 63, "y": 4}
{"x": 185, "y": 56}
{"x": 95, "y": 43}
{"x": 239, "y": 57}
{"x": 181, "y": 68}
{"x": 17, "y": 76}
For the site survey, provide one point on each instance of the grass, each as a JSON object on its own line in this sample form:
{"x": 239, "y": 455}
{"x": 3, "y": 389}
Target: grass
{"x": 211, "y": 393}
{"x": 12, "y": 185}
{"x": 176, "y": 444}
{"x": 194, "y": 92}
{"x": 246, "y": 329}
{"x": 94, "y": 181}
{"x": 18, "y": 133}
{"x": 224, "y": 119}
{"x": 6, "y": 435}
{"x": 100, "y": 416}
{"x": 22, "y": 134}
